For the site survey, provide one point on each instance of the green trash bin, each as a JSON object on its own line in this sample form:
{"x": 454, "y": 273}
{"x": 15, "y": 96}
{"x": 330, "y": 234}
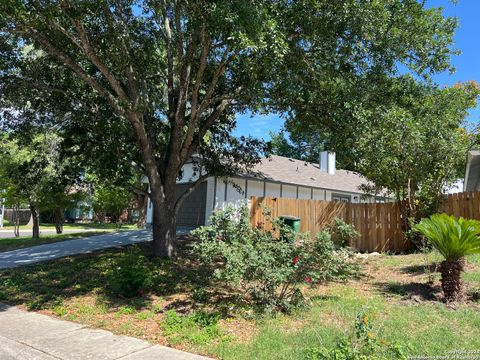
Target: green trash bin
{"x": 292, "y": 222}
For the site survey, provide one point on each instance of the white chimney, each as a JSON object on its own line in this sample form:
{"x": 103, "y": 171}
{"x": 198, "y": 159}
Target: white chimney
{"x": 327, "y": 162}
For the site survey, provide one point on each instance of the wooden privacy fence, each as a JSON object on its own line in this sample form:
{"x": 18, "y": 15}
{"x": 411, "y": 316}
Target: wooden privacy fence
{"x": 379, "y": 224}
{"x": 465, "y": 204}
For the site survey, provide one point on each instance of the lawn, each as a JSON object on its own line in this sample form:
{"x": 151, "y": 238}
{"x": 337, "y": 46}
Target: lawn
{"x": 7, "y": 244}
{"x": 187, "y": 311}
{"x": 75, "y": 226}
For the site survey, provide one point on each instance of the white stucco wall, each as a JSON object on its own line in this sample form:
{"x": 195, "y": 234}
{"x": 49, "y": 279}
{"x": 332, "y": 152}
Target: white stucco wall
{"x": 304, "y": 193}
{"x": 255, "y": 188}
{"x": 289, "y": 191}
{"x": 318, "y": 194}
{"x": 272, "y": 189}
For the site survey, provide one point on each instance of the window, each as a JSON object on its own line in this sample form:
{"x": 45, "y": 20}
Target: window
{"x": 341, "y": 198}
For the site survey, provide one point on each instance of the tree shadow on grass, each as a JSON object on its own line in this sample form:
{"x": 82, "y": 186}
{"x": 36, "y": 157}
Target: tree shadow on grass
{"x": 45, "y": 285}
{"x": 410, "y": 291}
{"x": 419, "y": 269}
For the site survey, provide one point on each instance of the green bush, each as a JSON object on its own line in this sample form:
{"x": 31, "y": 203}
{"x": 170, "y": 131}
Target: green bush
{"x": 363, "y": 344}
{"x": 266, "y": 269}
{"x": 131, "y": 274}
{"x": 343, "y": 234}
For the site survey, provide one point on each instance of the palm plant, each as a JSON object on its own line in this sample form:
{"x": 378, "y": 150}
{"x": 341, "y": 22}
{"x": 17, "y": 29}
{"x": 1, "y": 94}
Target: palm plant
{"x": 453, "y": 239}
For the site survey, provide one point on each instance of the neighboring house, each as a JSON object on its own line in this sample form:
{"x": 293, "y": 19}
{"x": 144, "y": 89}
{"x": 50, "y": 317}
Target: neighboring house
{"x": 79, "y": 212}
{"x": 81, "y": 207}
{"x": 275, "y": 176}
{"x": 472, "y": 171}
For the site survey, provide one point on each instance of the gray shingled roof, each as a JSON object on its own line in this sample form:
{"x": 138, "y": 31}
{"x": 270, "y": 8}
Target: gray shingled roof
{"x": 298, "y": 172}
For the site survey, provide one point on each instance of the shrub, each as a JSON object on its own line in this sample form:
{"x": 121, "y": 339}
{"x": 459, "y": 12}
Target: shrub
{"x": 343, "y": 234}
{"x": 363, "y": 344}
{"x": 268, "y": 270}
{"x": 131, "y": 274}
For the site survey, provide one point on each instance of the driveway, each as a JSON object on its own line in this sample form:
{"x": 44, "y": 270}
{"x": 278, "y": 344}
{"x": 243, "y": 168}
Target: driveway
{"x": 28, "y": 335}
{"x": 34, "y": 254}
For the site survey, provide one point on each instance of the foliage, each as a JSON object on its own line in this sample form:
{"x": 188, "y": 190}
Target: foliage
{"x": 403, "y": 135}
{"x": 265, "y": 267}
{"x": 364, "y": 344}
{"x": 111, "y": 200}
{"x": 33, "y": 172}
{"x": 131, "y": 274}
{"x": 343, "y": 234}
{"x": 143, "y": 84}
{"x": 452, "y": 238}
{"x": 416, "y": 146}
{"x": 305, "y": 147}
{"x": 196, "y": 328}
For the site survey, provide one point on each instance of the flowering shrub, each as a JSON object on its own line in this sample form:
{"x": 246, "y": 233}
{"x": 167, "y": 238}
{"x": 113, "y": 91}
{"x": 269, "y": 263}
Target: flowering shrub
{"x": 268, "y": 269}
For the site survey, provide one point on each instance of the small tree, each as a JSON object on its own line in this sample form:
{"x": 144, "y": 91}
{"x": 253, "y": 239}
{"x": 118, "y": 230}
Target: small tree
{"x": 32, "y": 173}
{"x": 453, "y": 239}
{"x": 111, "y": 200}
{"x": 21, "y": 169}
{"x": 416, "y": 146}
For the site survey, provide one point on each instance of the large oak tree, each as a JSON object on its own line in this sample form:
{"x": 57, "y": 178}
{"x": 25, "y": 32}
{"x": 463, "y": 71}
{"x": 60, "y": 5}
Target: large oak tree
{"x": 171, "y": 75}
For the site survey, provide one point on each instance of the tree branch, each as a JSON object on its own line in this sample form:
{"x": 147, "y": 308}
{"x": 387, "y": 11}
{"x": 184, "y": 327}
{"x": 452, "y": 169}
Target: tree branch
{"x": 63, "y": 58}
{"x": 93, "y": 57}
{"x": 187, "y": 192}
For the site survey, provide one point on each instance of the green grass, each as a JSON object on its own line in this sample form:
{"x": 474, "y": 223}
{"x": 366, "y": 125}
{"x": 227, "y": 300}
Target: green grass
{"x": 77, "y": 288}
{"x": 75, "y": 226}
{"x": 7, "y": 244}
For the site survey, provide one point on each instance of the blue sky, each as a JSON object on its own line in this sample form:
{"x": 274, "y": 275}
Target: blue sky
{"x": 467, "y": 66}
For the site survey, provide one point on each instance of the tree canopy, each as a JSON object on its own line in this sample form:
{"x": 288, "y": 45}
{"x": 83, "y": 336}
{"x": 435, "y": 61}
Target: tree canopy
{"x": 168, "y": 76}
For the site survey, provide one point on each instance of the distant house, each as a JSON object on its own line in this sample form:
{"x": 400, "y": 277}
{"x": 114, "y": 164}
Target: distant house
{"x": 472, "y": 171}
{"x": 275, "y": 176}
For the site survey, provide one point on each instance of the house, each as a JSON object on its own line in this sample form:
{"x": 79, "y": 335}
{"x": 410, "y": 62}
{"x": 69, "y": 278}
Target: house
{"x": 275, "y": 176}
{"x": 472, "y": 171}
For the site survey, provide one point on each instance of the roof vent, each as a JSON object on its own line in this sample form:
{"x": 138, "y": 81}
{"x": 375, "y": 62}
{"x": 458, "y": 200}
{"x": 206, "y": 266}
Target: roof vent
{"x": 327, "y": 162}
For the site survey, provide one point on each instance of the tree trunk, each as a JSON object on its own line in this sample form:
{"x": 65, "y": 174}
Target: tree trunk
{"x": 451, "y": 280}
{"x": 142, "y": 211}
{"x": 16, "y": 220}
{"x": 59, "y": 219}
{"x": 164, "y": 226}
{"x": 35, "y": 223}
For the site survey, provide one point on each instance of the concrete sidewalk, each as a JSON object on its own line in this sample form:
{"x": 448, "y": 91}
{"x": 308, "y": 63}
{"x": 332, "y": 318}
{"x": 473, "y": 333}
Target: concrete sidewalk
{"x": 34, "y": 254}
{"x": 27, "y": 335}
